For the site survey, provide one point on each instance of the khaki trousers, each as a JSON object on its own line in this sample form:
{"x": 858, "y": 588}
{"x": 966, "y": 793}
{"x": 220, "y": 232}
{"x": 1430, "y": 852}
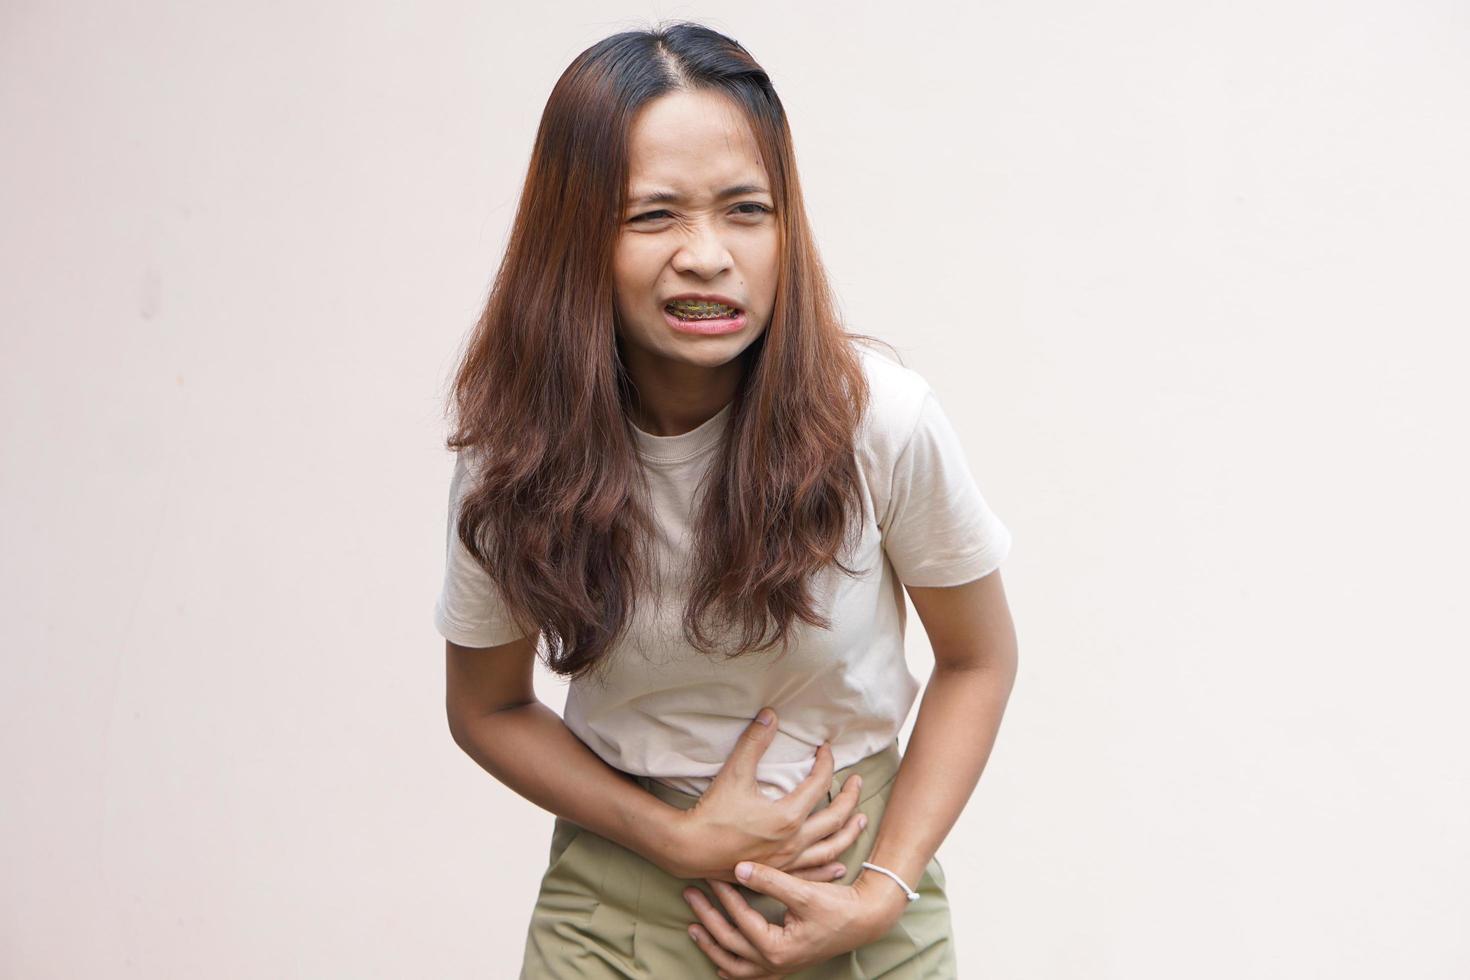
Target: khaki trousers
{"x": 604, "y": 911}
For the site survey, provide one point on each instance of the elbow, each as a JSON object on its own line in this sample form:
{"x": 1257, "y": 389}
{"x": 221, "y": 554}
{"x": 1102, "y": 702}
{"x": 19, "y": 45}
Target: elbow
{"x": 466, "y": 725}
{"x": 458, "y": 728}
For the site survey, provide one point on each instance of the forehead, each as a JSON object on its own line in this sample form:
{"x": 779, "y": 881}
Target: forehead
{"x": 694, "y": 144}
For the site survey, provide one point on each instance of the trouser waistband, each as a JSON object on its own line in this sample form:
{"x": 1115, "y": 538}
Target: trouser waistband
{"x": 877, "y": 771}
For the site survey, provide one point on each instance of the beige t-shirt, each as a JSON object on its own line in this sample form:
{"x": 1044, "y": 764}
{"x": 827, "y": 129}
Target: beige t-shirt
{"x": 672, "y": 713}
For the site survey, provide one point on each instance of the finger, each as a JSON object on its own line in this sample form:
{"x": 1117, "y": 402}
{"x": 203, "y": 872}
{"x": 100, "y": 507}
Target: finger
{"x": 765, "y": 936}
{"x": 828, "y": 848}
{"x": 832, "y": 817}
{"x": 834, "y": 871}
{"x": 790, "y": 891}
{"x": 752, "y": 744}
{"x": 816, "y": 785}
{"x": 730, "y": 965}
{"x": 718, "y": 926}
{"x": 761, "y": 933}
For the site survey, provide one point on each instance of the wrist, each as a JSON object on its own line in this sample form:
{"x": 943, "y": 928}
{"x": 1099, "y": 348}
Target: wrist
{"x": 883, "y": 900}
{"x": 656, "y": 831}
{"x": 671, "y": 845}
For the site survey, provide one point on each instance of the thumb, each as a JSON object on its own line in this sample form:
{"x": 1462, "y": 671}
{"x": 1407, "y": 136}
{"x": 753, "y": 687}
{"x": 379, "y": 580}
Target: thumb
{"x": 751, "y": 745}
{"x": 789, "y": 890}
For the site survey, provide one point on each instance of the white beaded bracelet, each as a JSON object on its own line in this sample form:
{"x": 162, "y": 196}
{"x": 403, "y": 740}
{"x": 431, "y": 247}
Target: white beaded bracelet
{"x": 913, "y": 896}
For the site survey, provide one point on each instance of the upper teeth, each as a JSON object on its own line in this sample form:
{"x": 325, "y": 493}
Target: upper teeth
{"x": 700, "y": 306}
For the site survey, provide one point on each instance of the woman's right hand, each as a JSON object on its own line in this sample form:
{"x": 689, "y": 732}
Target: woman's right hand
{"x": 734, "y": 821}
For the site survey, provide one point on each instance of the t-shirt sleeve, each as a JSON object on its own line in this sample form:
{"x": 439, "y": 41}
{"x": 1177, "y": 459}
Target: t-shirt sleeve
{"x": 469, "y": 610}
{"x": 938, "y": 530}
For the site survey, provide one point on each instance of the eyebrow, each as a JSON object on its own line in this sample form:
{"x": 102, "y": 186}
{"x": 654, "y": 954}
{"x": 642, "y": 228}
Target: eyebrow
{"x": 670, "y": 197}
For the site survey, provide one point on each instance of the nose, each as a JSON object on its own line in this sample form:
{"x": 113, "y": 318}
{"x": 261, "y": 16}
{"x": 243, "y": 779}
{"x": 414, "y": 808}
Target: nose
{"x": 703, "y": 252}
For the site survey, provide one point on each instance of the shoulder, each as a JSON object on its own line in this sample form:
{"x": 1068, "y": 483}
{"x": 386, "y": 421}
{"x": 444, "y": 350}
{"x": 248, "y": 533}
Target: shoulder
{"x": 896, "y": 399}
{"x": 469, "y": 465}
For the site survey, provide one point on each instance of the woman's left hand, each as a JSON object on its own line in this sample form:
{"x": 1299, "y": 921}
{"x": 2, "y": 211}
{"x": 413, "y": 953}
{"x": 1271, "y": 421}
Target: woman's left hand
{"x": 822, "y": 920}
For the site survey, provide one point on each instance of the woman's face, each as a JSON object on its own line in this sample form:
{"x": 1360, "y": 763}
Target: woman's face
{"x": 694, "y": 147}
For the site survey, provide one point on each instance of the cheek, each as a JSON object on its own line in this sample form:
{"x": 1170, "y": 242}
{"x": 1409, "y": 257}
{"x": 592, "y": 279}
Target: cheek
{"x": 770, "y": 271}
{"x": 635, "y": 273}
{"x": 635, "y": 250}
{"x": 769, "y": 252}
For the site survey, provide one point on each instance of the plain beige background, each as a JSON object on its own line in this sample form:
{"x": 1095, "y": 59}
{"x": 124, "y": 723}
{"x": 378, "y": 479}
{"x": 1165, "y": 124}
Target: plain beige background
{"x": 1189, "y": 278}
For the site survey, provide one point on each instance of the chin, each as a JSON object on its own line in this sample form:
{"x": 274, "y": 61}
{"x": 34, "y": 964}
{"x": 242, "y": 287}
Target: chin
{"x": 711, "y": 353}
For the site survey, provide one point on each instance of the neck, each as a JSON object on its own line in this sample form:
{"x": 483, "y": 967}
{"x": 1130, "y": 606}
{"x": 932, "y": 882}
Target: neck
{"x": 670, "y": 398}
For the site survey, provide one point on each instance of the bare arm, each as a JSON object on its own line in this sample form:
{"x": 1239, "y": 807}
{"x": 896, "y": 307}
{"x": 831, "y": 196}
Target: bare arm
{"x": 975, "y": 657}
{"x": 495, "y": 718}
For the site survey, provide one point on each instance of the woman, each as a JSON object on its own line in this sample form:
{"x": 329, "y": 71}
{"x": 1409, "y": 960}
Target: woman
{"x": 681, "y": 477}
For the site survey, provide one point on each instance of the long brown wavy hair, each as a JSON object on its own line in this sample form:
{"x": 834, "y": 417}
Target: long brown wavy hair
{"x": 558, "y": 516}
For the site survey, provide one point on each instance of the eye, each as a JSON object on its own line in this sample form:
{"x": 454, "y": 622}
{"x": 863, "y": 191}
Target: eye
{"x": 653, "y": 215}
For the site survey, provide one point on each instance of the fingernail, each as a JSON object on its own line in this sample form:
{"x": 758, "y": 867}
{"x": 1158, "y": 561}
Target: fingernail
{"x": 859, "y": 781}
{"x": 742, "y": 870}
{"x": 839, "y": 873}
{"x": 693, "y": 934}
{"x": 862, "y": 822}
{"x": 764, "y": 717}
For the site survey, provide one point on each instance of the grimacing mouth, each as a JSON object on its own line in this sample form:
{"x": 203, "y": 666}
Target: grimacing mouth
{"x": 703, "y": 309}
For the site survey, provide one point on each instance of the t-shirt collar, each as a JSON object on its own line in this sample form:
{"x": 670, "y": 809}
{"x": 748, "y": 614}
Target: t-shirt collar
{"x": 672, "y": 449}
